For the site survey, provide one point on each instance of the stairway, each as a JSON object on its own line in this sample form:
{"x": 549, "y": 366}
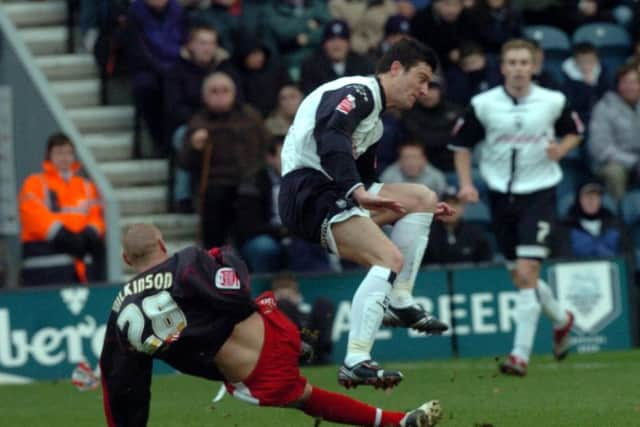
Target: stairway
{"x": 140, "y": 185}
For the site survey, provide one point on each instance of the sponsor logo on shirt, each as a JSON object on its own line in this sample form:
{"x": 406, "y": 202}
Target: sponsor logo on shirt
{"x": 347, "y": 104}
{"x": 226, "y": 278}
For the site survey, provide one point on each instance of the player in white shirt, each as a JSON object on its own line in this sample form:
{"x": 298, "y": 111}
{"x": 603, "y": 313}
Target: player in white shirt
{"x": 328, "y": 195}
{"x": 524, "y": 131}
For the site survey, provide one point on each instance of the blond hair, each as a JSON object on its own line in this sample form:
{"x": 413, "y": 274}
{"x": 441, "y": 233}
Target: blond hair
{"x": 140, "y": 243}
{"x": 515, "y": 44}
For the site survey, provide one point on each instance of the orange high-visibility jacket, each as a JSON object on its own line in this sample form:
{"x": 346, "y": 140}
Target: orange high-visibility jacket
{"x": 48, "y": 202}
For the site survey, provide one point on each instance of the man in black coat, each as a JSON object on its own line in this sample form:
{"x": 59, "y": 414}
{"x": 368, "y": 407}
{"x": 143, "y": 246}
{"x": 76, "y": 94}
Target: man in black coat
{"x": 453, "y": 240}
{"x": 335, "y": 59}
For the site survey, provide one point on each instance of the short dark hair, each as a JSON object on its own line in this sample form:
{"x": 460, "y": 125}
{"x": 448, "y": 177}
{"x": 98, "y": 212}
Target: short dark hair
{"x": 409, "y": 52}
{"x": 583, "y": 48}
{"x": 412, "y": 142}
{"x": 624, "y": 69}
{"x": 56, "y": 140}
{"x": 469, "y": 47}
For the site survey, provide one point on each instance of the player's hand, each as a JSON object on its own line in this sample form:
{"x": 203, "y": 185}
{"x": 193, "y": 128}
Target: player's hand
{"x": 199, "y": 139}
{"x": 443, "y": 209}
{"x": 555, "y": 151}
{"x": 468, "y": 194}
{"x": 372, "y": 202}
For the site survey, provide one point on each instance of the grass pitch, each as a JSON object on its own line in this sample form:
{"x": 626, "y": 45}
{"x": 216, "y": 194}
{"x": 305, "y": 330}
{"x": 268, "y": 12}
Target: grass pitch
{"x": 585, "y": 390}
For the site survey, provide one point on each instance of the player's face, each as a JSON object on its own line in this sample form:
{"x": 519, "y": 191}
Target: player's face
{"x": 412, "y": 84}
{"x": 517, "y": 67}
{"x": 62, "y": 157}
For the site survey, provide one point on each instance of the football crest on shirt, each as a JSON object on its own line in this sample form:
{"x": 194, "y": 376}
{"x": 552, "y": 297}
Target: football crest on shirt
{"x": 227, "y": 278}
{"x": 347, "y": 104}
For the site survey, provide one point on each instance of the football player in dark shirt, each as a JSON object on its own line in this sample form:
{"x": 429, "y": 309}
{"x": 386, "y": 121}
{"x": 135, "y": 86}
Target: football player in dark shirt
{"x": 194, "y": 311}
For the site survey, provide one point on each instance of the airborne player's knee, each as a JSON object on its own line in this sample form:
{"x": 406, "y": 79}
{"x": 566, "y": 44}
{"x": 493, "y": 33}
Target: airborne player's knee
{"x": 423, "y": 199}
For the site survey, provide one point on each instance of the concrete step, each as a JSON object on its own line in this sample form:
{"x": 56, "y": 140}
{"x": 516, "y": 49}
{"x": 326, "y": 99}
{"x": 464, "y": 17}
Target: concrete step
{"x": 68, "y": 67}
{"x": 103, "y": 119}
{"x": 172, "y": 226}
{"x": 45, "y": 40}
{"x": 78, "y": 93}
{"x": 31, "y": 14}
{"x": 145, "y": 200}
{"x": 110, "y": 146}
{"x": 136, "y": 172}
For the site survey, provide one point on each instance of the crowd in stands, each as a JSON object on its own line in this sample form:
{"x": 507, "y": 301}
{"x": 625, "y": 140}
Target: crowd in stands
{"x": 217, "y": 83}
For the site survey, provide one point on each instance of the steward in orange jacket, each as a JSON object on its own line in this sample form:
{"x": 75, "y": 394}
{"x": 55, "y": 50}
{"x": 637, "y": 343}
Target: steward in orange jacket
{"x": 61, "y": 220}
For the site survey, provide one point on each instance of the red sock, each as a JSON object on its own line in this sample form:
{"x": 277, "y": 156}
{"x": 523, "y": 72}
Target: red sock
{"x": 339, "y": 408}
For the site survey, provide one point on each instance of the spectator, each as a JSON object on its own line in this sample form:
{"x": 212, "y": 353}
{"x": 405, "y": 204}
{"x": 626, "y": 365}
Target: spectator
{"x": 396, "y": 28}
{"x": 585, "y": 79}
{"x": 413, "y": 166}
{"x": 279, "y": 121}
{"x": 366, "y": 19}
{"x": 430, "y": 121}
{"x": 261, "y": 75}
{"x": 335, "y": 58}
{"x": 491, "y": 23}
{"x": 440, "y": 26}
{"x": 474, "y": 73}
{"x": 200, "y": 57}
{"x": 590, "y": 229}
{"x": 155, "y": 33}
{"x": 614, "y": 137}
{"x": 452, "y": 240}
{"x": 295, "y": 27}
{"x": 60, "y": 214}
{"x": 232, "y": 18}
{"x": 263, "y": 241}
{"x": 224, "y": 144}
{"x": 315, "y": 322}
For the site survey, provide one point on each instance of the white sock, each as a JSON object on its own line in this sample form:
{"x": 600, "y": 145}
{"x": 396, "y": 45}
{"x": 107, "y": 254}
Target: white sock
{"x": 367, "y": 309}
{"x": 550, "y": 306}
{"x": 411, "y": 235}
{"x": 527, "y": 313}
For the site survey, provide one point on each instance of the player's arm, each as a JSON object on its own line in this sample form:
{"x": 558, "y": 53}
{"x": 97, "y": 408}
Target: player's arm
{"x": 126, "y": 381}
{"x": 339, "y": 114}
{"x": 366, "y": 165}
{"x": 467, "y": 132}
{"x": 569, "y": 129}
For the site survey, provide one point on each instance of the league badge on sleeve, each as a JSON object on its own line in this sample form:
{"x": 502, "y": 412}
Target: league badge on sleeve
{"x": 227, "y": 279}
{"x": 347, "y": 104}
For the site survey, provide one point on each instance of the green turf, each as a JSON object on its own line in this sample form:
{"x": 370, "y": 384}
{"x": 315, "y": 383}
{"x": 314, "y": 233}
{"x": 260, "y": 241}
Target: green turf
{"x": 585, "y": 390}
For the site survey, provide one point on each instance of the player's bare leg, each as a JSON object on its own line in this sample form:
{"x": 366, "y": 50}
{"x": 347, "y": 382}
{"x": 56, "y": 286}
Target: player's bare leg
{"x": 360, "y": 240}
{"x": 410, "y": 235}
